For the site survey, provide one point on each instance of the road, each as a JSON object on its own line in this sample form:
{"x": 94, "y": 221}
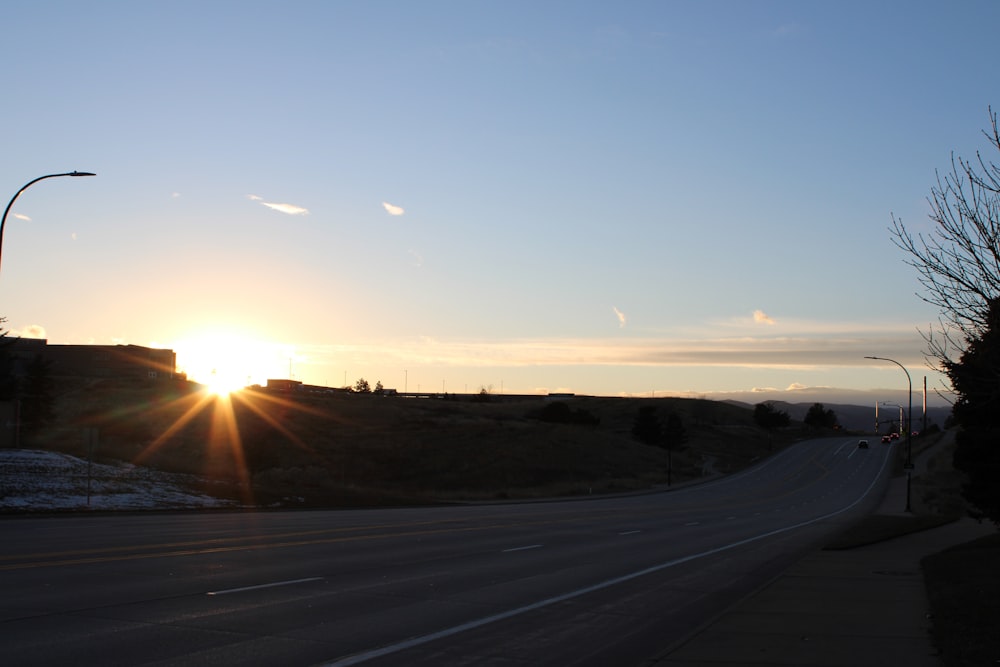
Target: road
{"x": 583, "y": 582}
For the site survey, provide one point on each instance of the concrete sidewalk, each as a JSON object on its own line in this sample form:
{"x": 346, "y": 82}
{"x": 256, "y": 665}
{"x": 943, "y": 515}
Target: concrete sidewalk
{"x": 861, "y": 606}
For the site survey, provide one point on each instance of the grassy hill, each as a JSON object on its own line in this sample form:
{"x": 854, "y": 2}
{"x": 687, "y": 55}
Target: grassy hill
{"x": 351, "y": 449}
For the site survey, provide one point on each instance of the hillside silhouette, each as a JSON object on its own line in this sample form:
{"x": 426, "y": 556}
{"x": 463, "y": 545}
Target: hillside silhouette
{"x": 344, "y": 449}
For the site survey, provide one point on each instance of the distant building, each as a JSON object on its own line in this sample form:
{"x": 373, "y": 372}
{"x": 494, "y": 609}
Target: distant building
{"x": 97, "y": 361}
{"x": 90, "y": 361}
{"x": 284, "y": 385}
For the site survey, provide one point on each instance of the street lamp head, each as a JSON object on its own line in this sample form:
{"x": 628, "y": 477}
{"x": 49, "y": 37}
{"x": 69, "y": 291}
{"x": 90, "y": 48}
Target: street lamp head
{"x": 81, "y": 173}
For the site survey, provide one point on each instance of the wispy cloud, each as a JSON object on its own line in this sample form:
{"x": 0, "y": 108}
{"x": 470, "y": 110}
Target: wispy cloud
{"x": 782, "y": 367}
{"x": 760, "y": 317}
{"x": 418, "y": 259}
{"x": 392, "y": 209}
{"x": 803, "y": 351}
{"x": 21, "y": 216}
{"x": 288, "y": 209}
{"x": 621, "y": 317}
{"x": 31, "y": 331}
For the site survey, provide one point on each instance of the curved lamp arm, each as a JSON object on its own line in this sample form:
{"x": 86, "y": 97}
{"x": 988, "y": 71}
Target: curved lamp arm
{"x": 27, "y": 185}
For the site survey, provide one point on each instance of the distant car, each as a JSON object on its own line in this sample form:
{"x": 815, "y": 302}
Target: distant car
{"x": 863, "y": 444}
{"x": 894, "y": 436}
{"x": 886, "y": 438}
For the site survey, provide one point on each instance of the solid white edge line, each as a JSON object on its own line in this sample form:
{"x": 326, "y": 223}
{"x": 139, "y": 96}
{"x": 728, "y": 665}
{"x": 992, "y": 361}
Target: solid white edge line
{"x": 259, "y": 586}
{"x": 530, "y": 546}
{"x": 424, "y": 639}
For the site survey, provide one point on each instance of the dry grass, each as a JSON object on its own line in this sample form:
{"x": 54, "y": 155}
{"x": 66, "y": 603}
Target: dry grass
{"x": 341, "y": 449}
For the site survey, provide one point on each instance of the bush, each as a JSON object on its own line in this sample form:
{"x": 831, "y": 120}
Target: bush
{"x": 559, "y": 412}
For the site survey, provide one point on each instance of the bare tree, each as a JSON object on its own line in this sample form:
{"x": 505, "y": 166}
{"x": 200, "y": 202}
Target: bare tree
{"x": 959, "y": 261}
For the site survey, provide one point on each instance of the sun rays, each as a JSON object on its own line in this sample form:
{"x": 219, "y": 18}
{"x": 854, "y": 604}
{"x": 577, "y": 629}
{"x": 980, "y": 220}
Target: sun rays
{"x": 221, "y": 434}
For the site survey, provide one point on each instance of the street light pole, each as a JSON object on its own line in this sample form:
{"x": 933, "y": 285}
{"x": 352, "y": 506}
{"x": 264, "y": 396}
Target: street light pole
{"x": 27, "y": 185}
{"x": 3, "y": 222}
{"x": 909, "y": 428}
{"x": 900, "y": 408}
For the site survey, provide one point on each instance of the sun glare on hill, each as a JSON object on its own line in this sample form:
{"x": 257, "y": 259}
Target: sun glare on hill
{"x": 226, "y": 362}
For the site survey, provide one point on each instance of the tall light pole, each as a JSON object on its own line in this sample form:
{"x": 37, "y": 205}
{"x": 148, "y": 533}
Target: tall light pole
{"x": 3, "y": 221}
{"x": 893, "y": 405}
{"x": 909, "y": 427}
{"x": 27, "y": 185}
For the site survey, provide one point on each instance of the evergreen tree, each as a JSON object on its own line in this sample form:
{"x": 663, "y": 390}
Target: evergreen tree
{"x": 647, "y": 427}
{"x": 819, "y": 417}
{"x": 976, "y": 379}
{"x": 769, "y": 417}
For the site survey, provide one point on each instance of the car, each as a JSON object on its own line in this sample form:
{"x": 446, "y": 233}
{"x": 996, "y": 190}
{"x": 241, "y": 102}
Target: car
{"x": 894, "y": 436}
{"x": 887, "y": 438}
{"x": 862, "y": 444}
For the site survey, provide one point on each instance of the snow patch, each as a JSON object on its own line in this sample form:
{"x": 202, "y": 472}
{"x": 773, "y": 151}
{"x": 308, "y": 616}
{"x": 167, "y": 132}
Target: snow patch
{"x": 34, "y": 480}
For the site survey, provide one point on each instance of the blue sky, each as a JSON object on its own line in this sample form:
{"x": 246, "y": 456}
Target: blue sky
{"x": 687, "y": 198}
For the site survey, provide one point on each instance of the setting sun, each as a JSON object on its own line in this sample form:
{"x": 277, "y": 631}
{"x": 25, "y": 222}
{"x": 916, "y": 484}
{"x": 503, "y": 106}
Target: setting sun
{"x": 225, "y": 362}
{"x": 222, "y": 385}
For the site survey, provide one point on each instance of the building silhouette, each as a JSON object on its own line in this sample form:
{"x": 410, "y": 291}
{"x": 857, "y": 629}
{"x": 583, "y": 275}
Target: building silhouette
{"x": 17, "y": 355}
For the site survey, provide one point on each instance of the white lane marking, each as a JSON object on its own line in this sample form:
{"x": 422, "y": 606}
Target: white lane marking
{"x": 630, "y": 532}
{"x": 845, "y": 444}
{"x": 259, "y": 586}
{"x": 531, "y": 546}
{"x": 693, "y": 523}
{"x": 454, "y": 630}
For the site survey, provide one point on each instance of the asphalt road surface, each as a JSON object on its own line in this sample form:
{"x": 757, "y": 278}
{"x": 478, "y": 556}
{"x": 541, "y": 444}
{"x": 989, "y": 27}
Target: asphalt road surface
{"x": 584, "y": 582}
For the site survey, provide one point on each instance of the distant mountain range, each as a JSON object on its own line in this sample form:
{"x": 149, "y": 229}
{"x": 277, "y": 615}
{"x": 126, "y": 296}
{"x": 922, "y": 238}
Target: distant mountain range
{"x": 862, "y": 417}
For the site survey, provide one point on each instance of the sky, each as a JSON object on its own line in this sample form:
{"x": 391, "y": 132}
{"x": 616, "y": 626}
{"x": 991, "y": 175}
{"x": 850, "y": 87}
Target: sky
{"x": 686, "y": 198}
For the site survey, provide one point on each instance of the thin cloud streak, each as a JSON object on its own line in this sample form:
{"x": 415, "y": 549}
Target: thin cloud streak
{"x": 800, "y": 352}
{"x": 288, "y": 209}
{"x": 393, "y": 210}
{"x": 621, "y": 317}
